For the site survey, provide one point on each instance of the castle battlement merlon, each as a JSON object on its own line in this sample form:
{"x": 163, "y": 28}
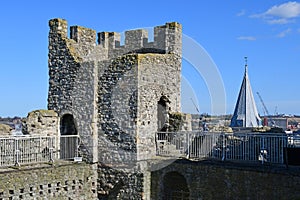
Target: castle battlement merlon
{"x": 136, "y": 38}
{"x": 59, "y": 26}
{"x": 167, "y": 38}
{"x": 83, "y": 35}
{"x": 109, "y": 40}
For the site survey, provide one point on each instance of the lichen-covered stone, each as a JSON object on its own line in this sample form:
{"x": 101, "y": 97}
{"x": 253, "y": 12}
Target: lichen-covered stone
{"x": 5, "y": 130}
{"x": 41, "y": 122}
{"x": 175, "y": 121}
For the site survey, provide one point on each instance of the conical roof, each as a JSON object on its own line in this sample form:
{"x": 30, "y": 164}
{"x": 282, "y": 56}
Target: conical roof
{"x": 245, "y": 112}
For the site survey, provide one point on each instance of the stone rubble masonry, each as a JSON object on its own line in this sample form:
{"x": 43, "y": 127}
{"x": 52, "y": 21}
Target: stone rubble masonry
{"x": 62, "y": 181}
{"x": 5, "y": 130}
{"x": 213, "y": 180}
{"x": 113, "y": 90}
{"x": 42, "y": 123}
{"x": 117, "y": 184}
{"x": 180, "y": 122}
{"x": 159, "y": 75}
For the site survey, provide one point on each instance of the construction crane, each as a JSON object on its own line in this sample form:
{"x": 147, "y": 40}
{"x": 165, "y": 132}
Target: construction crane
{"x": 275, "y": 112}
{"x": 195, "y": 106}
{"x": 265, "y": 109}
{"x": 201, "y": 123}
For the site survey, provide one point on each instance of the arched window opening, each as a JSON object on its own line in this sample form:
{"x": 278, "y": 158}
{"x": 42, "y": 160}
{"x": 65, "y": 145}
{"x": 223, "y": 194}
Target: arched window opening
{"x": 162, "y": 114}
{"x": 67, "y": 125}
{"x": 175, "y": 187}
{"x": 69, "y": 140}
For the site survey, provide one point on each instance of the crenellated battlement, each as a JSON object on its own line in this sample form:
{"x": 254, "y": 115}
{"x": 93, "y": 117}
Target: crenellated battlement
{"x": 167, "y": 38}
{"x": 58, "y": 26}
{"x": 109, "y": 40}
{"x": 118, "y": 90}
{"x": 82, "y": 35}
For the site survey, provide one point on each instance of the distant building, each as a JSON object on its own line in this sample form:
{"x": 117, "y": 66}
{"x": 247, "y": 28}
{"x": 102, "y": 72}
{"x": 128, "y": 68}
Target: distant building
{"x": 245, "y": 112}
{"x": 282, "y": 121}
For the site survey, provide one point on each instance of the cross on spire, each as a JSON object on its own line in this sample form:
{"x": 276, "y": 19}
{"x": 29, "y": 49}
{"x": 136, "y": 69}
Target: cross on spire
{"x": 246, "y": 64}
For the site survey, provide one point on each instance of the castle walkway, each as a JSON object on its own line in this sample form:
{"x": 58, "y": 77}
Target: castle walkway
{"x": 264, "y": 148}
{"x": 22, "y": 150}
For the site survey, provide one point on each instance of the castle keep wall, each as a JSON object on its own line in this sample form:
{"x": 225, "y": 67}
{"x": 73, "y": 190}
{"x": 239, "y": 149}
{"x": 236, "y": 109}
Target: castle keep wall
{"x": 117, "y": 110}
{"x": 221, "y": 181}
{"x": 109, "y": 87}
{"x": 71, "y": 181}
{"x": 159, "y": 76}
{"x": 113, "y": 92}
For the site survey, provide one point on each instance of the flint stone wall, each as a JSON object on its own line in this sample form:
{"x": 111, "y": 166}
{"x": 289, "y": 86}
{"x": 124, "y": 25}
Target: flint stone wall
{"x": 71, "y": 181}
{"x": 210, "y": 180}
{"x": 112, "y": 90}
{"x": 159, "y": 76}
{"x": 119, "y": 184}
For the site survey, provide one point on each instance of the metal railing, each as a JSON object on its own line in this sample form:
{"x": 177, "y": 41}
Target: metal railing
{"x": 171, "y": 143}
{"x": 69, "y": 145}
{"x": 20, "y": 150}
{"x": 263, "y": 148}
{"x": 26, "y": 150}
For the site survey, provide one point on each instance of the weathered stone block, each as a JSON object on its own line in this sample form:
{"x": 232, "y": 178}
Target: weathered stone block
{"x": 41, "y": 122}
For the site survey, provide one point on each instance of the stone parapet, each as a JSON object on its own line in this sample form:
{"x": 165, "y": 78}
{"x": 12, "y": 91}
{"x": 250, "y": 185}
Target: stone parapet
{"x": 167, "y": 39}
{"x": 41, "y": 122}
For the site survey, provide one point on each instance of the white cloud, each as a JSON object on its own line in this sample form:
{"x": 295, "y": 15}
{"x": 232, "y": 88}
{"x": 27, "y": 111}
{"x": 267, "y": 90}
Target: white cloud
{"x": 250, "y": 38}
{"x": 241, "y": 13}
{"x": 280, "y": 21}
{"x": 284, "y": 33}
{"x": 286, "y": 10}
{"x": 281, "y": 14}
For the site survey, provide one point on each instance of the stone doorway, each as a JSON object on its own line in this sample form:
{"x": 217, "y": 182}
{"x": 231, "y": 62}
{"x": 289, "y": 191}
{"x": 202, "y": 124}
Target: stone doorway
{"x": 67, "y": 125}
{"x": 162, "y": 114}
{"x": 69, "y": 140}
{"x": 175, "y": 187}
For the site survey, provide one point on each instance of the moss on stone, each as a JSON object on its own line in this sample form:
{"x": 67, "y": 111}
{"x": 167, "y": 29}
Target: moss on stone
{"x": 5, "y": 129}
{"x": 44, "y": 113}
{"x": 173, "y": 25}
{"x": 57, "y": 20}
{"x": 175, "y": 121}
{"x": 72, "y": 50}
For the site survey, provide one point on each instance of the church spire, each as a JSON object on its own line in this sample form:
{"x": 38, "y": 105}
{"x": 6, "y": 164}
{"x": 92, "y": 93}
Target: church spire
{"x": 245, "y": 112}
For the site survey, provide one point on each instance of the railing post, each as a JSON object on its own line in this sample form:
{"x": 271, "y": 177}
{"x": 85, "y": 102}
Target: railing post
{"x": 50, "y": 144}
{"x": 188, "y": 145}
{"x": 17, "y": 152}
{"x": 224, "y": 147}
{"x": 77, "y": 146}
{"x": 262, "y": 150}
{"x": 156, "y": 145}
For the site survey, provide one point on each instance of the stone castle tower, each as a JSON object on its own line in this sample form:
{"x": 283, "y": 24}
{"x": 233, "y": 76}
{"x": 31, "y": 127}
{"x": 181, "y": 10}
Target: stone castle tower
{"x": 114, "y": 96}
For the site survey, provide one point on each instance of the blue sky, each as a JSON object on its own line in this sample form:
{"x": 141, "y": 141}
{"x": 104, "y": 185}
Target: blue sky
{"x": 267, "y": 32}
